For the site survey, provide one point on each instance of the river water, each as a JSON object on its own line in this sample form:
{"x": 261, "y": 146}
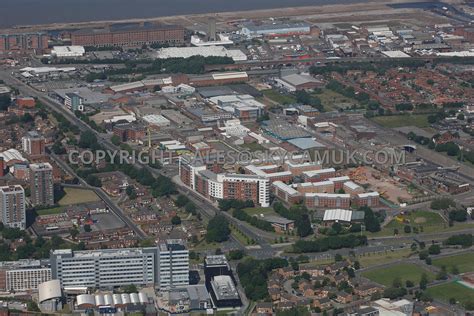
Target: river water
{"x": 30, "y": 12}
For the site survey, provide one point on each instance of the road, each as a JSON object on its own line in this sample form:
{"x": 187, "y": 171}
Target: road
{"x": 111, "y": 204}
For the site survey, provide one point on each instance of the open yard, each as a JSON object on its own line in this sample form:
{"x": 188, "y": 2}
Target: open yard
{"x": 279, "y": 97}
{"x": 444, "y": 292}
{"x": 464, "y": 262}
{"x": 388, "y": 188}
{"x": 333, "y": 101}
{"x": 50, "y": 211}
{"x": 382, "y": 258}
{"x": 393, "y": 121}
{"x": 442, "y": 228}
{"x": 78, "y": 196}
{"x": 260, "y": 210}
{"x": 253, "y": 147}
{"x": 426, "y": 220}
{"x": 405, "y": 271}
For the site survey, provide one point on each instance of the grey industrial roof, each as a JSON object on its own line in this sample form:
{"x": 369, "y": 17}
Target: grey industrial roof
{"x": 306, "y": 143}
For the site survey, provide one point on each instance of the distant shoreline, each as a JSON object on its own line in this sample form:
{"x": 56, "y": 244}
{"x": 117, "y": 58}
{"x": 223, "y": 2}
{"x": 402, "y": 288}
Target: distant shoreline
{"x": 277, "y": 8}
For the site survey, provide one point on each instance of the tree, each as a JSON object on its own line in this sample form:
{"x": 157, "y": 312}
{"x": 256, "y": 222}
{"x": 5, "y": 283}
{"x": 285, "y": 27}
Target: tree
{"x": 454, "y": 270}
{"x": 337, "y": 228}
{"x": 442, "y": 274}
{"x": 428, "y": 261}
{"x": 74, "y": 232}
{"x": 442, "y": 203}
{"x": 372, "y": 223}
{"x": 5, "y": 102}
{"x": 176, "y": 220}
{"x": 31, "y": 306}
{"x": 409, "y": 283}
{"x": 304, "y": 226}
{"x": 397, "y": 282}
{"x": 407, "y": 229}
{"x": 130, "y": 288}
{"x": 434, "y": 250}
{"x": 423, "y": 281}
{"x": 235, "y": 254}
{"x": 115, "y": 140}
{"x": 338, "y": 257}
{"x": 190, "y": 207}
{"x": 356, "y": 265}
{"x": 458, "y": 215}
{"x": 87, "y": 228}
{"x": 218, "y": 229}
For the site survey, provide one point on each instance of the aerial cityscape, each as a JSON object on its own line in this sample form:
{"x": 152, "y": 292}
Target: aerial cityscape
{"x": 237, "y": 158}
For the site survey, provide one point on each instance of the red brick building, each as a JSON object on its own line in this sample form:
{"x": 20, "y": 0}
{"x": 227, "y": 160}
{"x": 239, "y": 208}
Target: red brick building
{"x": 371, "y": 199}
{"x": 24, "y": 42}
{"x": 27, "y": 102}
{"x": 130, "y": 36}
{"x": 129, "y": 132}
{"x": 313, "y": 200}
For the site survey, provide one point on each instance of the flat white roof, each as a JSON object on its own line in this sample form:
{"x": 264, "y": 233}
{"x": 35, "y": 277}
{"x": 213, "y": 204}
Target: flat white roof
{"x": 368, "y": 194}
{"x": 284, "y": 187}
{"x": 337, "y": 215}
{"x": 396, "y": 54}
{"x": 205, "y": 51}
{"x": 352, "y": 185}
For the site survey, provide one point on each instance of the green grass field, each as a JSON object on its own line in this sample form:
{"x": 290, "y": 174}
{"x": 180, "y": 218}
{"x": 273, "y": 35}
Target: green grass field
{"x": 382, "y": 258}
{"x": 332, "y": 100}
{"x": 51, "y": 211}
{"x": 426, "y": 229}
{"x": 78, "y": 196}
{"x": 406, "y": 271}
{"x": 444, "y": 292}
{"x": 253, "y": 147}
{"x": 278, "y": 97}
{"x": 464, "y": 262}
{"x": 416, "y": 219}
{"x": 393, "y": 121}
{"x": 259, "y": 210}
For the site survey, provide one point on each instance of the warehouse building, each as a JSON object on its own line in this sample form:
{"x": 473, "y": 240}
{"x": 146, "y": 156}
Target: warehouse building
{"x": 68, "y": 51}
{"x": 276, "y": 29}
{"x": 205, "y": 51}
{"x": 129, "y": 35}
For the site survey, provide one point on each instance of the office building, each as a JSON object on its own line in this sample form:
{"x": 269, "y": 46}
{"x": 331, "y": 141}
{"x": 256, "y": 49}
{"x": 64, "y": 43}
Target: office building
{"x": 220, "y": 281}
{"x": 224, "y": 292}
{"x": 74, "y": 102}
{"x": 129, "y": 35}
{"x": 173, "y": 264}
{"x": 23, "y": 275}
{"x": 33, "y": 144}
{"x": 41, "y": 184}
{"x": 12, "y": 206}
{"x": 104, "y": 268}
{"x": 23, "y": 42}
